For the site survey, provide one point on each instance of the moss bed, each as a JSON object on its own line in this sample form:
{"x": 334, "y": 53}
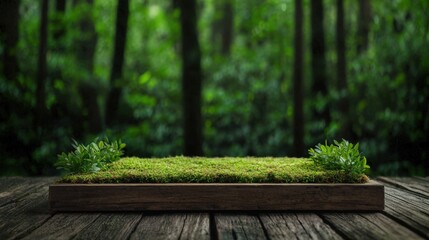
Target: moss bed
{"x": 214, "y": 170}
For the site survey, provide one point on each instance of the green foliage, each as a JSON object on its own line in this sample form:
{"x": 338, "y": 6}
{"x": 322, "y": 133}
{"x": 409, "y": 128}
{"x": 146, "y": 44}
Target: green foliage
{"x": 90, "y": 158}
{"x": 247, "y": 94}
{"x": 209, "y": 170}
{"x": 339, "y": 156}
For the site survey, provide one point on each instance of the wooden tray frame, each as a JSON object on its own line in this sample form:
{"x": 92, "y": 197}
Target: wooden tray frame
{"x": 216, "y": 197}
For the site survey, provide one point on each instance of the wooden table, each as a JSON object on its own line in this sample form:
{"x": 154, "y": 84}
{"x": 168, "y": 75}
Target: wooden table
{"x": 24, "y": 213}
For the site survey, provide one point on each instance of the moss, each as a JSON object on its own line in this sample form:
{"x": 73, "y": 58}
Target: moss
{"x": 214, "y": 170}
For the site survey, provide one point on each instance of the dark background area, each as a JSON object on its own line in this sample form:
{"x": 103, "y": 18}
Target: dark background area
{"x": 214, "y": 78}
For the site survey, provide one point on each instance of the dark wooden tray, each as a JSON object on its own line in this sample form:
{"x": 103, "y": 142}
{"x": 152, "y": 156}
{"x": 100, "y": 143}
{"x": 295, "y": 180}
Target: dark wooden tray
{"x": 216, "y": 196}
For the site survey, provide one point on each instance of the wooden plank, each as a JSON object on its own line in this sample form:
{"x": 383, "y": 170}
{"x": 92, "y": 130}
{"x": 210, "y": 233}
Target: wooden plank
{"x": 296, "y": 226}
{"x": 14, "y": 188}
{"x": 409, "y": 209}
{"x": 411, "y": 184}
{"x": 63, "y": 226}
{"x": 7, "y": 187}
{"x": 419, "y": 181}
{"x": 173, "y": 226}
{"x": 415, "y": 201}
{"x": 238, "y": 226}
{"x": 8, "y": 182}
{"x": 20, "y": 217}
{"x": 110, "y": 226}
{"x": 199, "y": 196}
{"x": 368, "y": 226}
{"x": 423, "y": 178}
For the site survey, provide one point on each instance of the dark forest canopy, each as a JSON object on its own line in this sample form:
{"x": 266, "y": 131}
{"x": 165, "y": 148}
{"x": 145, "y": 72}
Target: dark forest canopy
{"x": 229, "y": 78}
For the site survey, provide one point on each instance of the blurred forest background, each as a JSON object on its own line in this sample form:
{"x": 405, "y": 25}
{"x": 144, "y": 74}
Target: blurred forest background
{"x": 214, "y": 78}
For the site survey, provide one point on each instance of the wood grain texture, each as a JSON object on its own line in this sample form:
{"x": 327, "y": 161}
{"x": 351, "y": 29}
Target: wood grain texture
{"x": 132, "y": 197}
{"x": 238, "y": 226}
{"x": 423, "y": 178}
{"x": 368, "y": 226}
{"x": 173, "y": 226}
{"x": 411, "y": 184}
{"x": 410, "y": 209}
{"x": 22, "y": 215}
{"x": 110, "y": 226}
{"x": 63, "y": 226}
{"x": 296, "y": 226}
{"x": 9, "y": 182}
{"x": 12, "y": 189}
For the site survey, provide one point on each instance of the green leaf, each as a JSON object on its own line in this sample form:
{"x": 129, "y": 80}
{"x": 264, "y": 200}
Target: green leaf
{"x": 90, "y": 158}
{"x": 343, "y": 156}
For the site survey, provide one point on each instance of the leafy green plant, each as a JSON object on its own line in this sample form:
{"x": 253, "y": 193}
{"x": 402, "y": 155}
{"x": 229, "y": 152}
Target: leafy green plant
{"x": 339, "y": 156}
{"x": 90, "y": 158}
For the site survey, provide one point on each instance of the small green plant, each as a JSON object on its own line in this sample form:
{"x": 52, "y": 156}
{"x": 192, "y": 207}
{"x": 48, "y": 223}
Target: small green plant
{"x": 90, "y": 158}
{"x": 339, "y": 156}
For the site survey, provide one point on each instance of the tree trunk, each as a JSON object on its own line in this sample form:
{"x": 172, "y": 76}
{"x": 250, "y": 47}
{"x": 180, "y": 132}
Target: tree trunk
{"x": 227, "y": 25}
{"x": 345, "y": 129}
{"x": 222, "y": 27}
{"x": 9, "y": 36}
{"x": 175, "y": 4}
{"x": 85, "y": 44}
{"x": 58, "y": 33}
{"x": 318, "y": 62}
{"x": 9, "y": 68}
{"x": 114, "y": 96}
{"x": 191, "y": 80}
{"x": 85, "y": 51}
{"x": 257, "y": 118}
{"x": 88, "y": 93}
{"x": 41, "y": 65}
{"x": 298, "y": 94}
{"x": 364, "y": 21}
{"x": 216, "y": 28}
{"x": 60, "y": 6}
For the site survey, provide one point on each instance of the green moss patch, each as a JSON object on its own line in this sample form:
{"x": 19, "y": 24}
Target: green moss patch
{"x": 214, "y": 170}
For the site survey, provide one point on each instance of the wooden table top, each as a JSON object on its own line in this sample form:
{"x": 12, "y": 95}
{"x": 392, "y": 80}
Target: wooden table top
{"x": 24, "y": 213}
